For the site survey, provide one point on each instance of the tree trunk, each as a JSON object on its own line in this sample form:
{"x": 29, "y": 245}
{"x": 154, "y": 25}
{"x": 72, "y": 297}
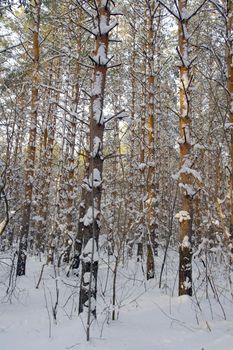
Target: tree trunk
{"x": 150, "y": 202}
{"x": 93, "y": 183}
{"x": 185, "y": 250}
{"x": 31, "y": 151}
{"x": 229, "y": 42}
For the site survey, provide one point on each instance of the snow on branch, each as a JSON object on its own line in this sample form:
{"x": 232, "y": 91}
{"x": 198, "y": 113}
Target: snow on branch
{"x": 183, "y": 215}
{"x": 188, "y": 189}
{"x": 122, "y": 115}
{"x": 102, "y": 28}
{"x": 169, "y": 10}
{"x": 192, "y": 14}
{"x": 184, "y": 15}
{"x": 228, "y": 126}
{"x": 100, "y": 58}
{"x": 186, "y": 169}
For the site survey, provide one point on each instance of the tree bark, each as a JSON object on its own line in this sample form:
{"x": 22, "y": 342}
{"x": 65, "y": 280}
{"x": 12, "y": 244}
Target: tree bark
{"x": 229, "y": 43}
{"x": 93, "y": 183}
{"x": 31, "y": 150}
{"x": 185, "y": 250}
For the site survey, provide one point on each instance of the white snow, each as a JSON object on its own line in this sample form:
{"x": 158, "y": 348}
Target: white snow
{"x": 86, "y": 277}
{"x": 97, "y": 84}
{"x": 103, "y": 28}
{"x": 186, "y": 242}
{"x": 94, "y": 180}
{"x": 185, "y": 14}
{"x": 182, "y": 216}
{"x": 186, "y": 169}
{"x": 228, "y": 126}
{"x": 97, "y": 110}
{"x": 198, "y": 147}
{"x": 141, "y": 166}
{"x": 187, "y": 284}
{"x": 38, "y": 218}
{"x": 188, "y": 189}
{"x": 96, "y": 146}
{"x": 88, "y": 217}
{"x": 101, "y": 57}
{"x": 148, "y": 318}
{"x": 89, "y": 252}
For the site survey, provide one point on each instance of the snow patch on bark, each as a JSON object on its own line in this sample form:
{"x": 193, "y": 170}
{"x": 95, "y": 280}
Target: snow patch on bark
{"x": 89, "y": 216}
{"x": 183, "y": 215}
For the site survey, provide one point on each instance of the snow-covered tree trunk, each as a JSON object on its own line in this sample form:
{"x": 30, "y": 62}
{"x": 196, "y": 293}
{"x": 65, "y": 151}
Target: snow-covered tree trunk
{"x": 151, "y": 150}
{"x": 131, "y": 177}
{"x": 151, "y": 195}
{"x": 93, "y": 183}
{"x": 31, "y": 150}
{"x": 229, "y": 43}
{"x": 48, "y": 164}
{"x": 70, "y": 219}
{"x": 185, "y": 250}
{"x": 46, "y": 159}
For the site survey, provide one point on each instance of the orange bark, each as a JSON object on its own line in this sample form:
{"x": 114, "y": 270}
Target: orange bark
{"x": 230, "y": 111}
{"x": 31, "y": 150}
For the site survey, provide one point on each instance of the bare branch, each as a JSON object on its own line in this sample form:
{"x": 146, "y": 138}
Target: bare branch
{"x": 168, "y": 9}
{"x": 196, "y": 11}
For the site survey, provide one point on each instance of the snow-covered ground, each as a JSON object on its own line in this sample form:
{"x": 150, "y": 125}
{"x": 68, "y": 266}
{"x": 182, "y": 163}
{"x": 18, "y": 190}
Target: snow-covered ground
{"x": 148, "y": 318}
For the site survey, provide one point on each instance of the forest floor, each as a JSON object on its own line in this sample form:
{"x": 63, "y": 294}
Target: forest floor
{"x": 147, "y": 317}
